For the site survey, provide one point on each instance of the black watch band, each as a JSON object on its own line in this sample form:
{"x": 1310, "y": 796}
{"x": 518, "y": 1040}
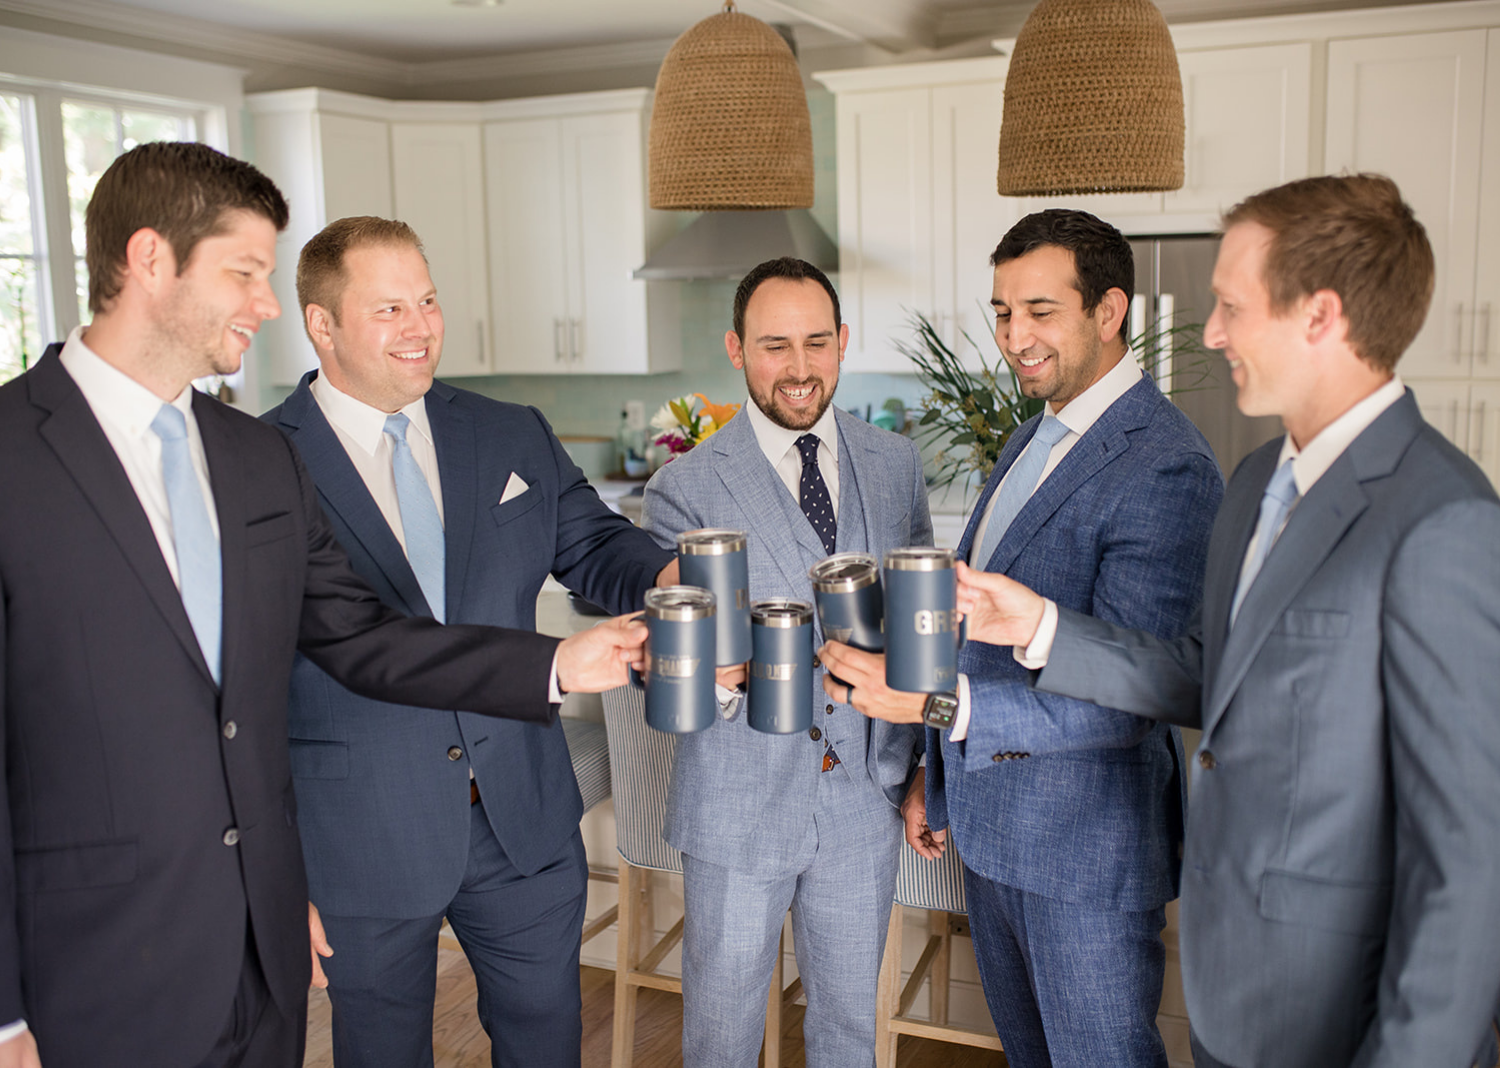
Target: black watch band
{"x": 940, "y": 709}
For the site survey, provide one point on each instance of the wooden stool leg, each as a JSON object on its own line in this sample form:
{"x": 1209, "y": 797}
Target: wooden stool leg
{"x": 940, "y": 924}
{"x": 627, "y": 955}
{"x": 888, "y": 992}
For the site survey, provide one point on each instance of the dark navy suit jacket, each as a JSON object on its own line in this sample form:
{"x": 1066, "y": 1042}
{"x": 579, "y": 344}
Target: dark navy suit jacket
{"x": 383, "y": 810}
{"x": 1118, "y": 530}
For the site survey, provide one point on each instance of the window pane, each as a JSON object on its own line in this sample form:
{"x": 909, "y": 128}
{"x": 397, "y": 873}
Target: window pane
{"x": 138, "y": 127}
{"x": 89, "y": 137}
{"x": 20, "y": 332}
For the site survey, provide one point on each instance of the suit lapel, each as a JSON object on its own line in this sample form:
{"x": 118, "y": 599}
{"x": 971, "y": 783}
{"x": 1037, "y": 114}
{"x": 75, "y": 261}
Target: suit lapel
{"x": 854, "y": 533}
{"x": 344, "y": 493}
{"x": 79, "y": 442}
{"x": 454, "y": 438}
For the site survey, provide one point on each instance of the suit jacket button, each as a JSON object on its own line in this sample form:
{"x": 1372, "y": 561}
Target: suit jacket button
{"x": 455, "y": 753}
{"x": 815, "y": 734}
{"x": 231, "y": 729}
{"x": 232, "y": 836}
{"x": 998, "y": 757}
{"x": 1206, "y": 761}
{"x": 817, "y": 663}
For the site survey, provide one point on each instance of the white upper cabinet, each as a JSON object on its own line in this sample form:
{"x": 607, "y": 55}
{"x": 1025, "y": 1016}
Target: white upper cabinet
{"x": 568, "y": 223}
{"x": 1412, "y": 107}
{"x": 1485, "y": 336}
{"x": 438, "y": 178}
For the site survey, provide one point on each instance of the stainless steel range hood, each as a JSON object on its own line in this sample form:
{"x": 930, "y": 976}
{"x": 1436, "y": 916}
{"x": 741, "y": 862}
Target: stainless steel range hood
{"x": 727, "y": 244}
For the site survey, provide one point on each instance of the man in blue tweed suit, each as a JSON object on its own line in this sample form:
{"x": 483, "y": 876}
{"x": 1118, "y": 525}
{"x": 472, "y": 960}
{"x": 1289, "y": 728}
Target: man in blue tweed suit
{"x": 806, "y": 821}
{"x": 407, "y": 819}
{"x": 1068, "y": 818}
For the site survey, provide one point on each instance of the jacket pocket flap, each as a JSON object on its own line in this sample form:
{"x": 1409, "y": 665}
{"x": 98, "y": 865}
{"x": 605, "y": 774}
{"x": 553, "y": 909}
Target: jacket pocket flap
{"x": 1313, "y": 623}
{"x": 1350, "y": 908}
{"x": 319, "y": 759}
{"x": 516, "y": 506}
{"x": 271, "y": 528}
{"x": 76, "y": 867}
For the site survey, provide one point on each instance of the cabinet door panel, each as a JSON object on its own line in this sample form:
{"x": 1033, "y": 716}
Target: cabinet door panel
{"x": 1247, "y": 123}
{"x": 1486, "y": 334}
{"x": 1445, "y": 405}
{"x": 1484, "y": 428}
{"x": 1411, "y": 107}
{"x": 885, "y": 221}
{"x": 528, "y": 303}
{"x": 356, "y": 161}
{"x": 439, "y": 191}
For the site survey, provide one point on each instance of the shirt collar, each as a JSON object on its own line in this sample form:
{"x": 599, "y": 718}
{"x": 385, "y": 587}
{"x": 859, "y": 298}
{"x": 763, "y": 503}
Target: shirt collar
{"x": 111, "y": 393}
{"x": 360, "y": 422}
{"x": 1311, "y": 463}
{"x": 775, "y": 440}
{"x": 1084, "y": 410}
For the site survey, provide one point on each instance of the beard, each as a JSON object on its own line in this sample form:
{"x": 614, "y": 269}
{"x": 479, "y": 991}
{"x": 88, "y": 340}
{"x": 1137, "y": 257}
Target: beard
{"x": 793, "y": 418}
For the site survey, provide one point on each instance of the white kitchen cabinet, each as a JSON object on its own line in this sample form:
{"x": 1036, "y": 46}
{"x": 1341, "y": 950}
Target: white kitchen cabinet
{"x": 1467, "y": 414}
{"x": 438, "y": 184}
{"x": 1484, "y": 346}
{"x": 918, "y": 211}
{"x": 567, "y": 224}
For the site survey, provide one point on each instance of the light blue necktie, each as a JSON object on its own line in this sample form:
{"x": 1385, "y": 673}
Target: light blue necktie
{"x": 1019, "y": 484}
{"x": 419, "y": 517}
{"x": 199, "y": 570}
{"x": 1280, "y": 495}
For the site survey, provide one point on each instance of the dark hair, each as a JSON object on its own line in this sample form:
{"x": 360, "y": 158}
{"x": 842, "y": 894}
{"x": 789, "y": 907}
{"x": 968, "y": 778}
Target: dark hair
{"x": 180, "y": 189}
{"x": 788, "y": 267}
{"x": 1354, "y": 235}
{"x": 321, "y": 274}
{"x": 1102, "y": 259}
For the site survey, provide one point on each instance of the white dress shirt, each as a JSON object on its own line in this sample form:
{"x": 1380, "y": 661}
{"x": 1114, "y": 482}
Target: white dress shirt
{"x": 1078, "y": 415}
{"x": 1308, "y": 465}
{"x": 780, "y": 446}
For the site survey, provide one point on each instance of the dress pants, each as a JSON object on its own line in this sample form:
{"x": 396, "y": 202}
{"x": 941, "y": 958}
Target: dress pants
{"x": 257, "y": 1033}
{"x": 1068, "y": 985}
{"x": 839, "y": 889}
{"x": 521, "y": 935}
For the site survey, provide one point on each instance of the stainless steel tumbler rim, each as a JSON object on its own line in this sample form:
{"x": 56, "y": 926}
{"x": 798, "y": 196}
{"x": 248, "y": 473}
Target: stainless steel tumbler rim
{"x": 680, "y": 604}
{"x": 919, "y": 558}
{"x": 710, "y": 541}
{"x": 844, "y": 573}
{"x": 781, "y": 613}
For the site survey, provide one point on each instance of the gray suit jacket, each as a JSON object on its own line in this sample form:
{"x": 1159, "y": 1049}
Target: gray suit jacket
{"x": 740, "y": 798}
{"x": 1341, "y": 887}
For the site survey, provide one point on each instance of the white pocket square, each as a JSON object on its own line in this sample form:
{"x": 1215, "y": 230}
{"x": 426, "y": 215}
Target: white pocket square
{"x": 514, "y": 488}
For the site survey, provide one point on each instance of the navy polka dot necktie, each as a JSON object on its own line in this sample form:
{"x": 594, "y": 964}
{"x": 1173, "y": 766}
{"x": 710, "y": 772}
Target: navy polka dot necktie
{"x": 816, "y": 504}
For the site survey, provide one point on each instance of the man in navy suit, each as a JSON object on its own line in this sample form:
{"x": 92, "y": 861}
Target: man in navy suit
{"x": 407, "y": 819}
{"x": 1068, "y": 818}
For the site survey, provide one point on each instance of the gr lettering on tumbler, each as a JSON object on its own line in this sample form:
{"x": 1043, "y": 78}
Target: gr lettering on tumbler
{"x": 715, "y": 560}
{"x": 921, "y": 620}
{"x": 779, "y": 700}
{"x": 680, "y": 644}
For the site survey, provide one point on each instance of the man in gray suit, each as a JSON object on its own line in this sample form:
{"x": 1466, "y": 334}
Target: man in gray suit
{"x": 807, "y": 821}
{"x": 1341, "y": 886}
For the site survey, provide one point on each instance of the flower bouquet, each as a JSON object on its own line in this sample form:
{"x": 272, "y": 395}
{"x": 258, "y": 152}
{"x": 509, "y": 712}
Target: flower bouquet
{"x": 688, "y": 421}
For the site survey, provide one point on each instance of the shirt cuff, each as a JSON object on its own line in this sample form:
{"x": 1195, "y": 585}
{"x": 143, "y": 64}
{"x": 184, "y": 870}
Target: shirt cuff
{"x": 10, "y": 1031}
{"x": 554, "y": 691}
{"x": 1034, "y": 657}
{"x": 960, "y": 729}
{"x": 727, "y": 699}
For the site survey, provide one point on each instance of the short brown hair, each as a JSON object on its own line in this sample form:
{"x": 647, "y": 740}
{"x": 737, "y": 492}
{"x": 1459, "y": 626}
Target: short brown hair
{"x": 789, "y": 268}
{"x": 180, "y": 189}
{"x": 321, "y": 275}
{"x": 1354, "y": 235}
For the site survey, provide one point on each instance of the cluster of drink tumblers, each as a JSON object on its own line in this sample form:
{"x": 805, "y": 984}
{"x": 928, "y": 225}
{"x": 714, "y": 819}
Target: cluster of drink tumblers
{"x": 708, "y": 621}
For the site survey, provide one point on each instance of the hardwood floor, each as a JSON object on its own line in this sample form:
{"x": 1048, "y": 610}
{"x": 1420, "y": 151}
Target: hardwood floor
{"x": 459, "y": 1042}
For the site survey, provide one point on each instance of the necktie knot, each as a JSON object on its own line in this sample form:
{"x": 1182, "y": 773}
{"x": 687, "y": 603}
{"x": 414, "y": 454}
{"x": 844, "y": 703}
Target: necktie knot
{"x": 1051, "y": 430}
{"x": 396, "y": 424}
{"x": 807, "y": 445}
{"x": 1283, "y": 486}
{"x": 169, "y": 424}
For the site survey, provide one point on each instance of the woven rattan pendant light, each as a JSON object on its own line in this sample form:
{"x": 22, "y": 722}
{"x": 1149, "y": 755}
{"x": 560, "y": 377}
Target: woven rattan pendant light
{"x": 1093, "y": 102}
{"x": 729, "y": 124}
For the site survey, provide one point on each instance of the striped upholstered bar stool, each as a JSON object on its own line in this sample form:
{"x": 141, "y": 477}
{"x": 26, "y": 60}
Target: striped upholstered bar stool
{"x": 938, "y": 886}
{"x": 588, "y": 748}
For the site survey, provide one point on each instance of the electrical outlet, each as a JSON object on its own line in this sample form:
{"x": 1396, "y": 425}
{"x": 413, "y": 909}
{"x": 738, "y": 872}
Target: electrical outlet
{"x": 635, "y": 414}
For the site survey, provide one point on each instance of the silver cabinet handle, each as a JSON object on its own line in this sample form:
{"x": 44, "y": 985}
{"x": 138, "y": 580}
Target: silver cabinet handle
{"x": 1484, "y": 336}
{"x": 1476, "y": 433}
{"x": 1458, "y": 334}
{"x": 557, "y": 341}
{"x": 575, "y": 338}
{"x": 484, "y": 359}
{"x": 1452, "y": 434}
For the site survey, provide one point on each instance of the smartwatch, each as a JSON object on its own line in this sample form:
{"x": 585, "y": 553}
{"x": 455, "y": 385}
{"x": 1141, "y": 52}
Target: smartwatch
{"x": 940, "y": 709}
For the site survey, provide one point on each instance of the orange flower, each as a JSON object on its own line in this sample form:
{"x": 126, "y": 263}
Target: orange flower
{"x": 719, "y": 413}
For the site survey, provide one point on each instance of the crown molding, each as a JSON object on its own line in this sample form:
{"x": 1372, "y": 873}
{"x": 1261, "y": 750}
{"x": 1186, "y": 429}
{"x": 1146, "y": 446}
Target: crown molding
{"x": 547, "y": 61}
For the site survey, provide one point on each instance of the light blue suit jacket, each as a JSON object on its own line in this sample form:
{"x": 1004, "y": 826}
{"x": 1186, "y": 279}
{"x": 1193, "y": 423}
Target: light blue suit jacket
{"x": 1341, "y": 887}
{"x": 383, "y": 810}
{"x": 738, "y": 796}
{"x": 1093, "y": 815}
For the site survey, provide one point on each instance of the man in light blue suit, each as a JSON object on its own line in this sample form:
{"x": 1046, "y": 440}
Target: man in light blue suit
{"x": 1068, "y": 817}
{"x": 1341, "y": 884}
{"x": 406, "y": 818}
{"x": 806, "y": 821}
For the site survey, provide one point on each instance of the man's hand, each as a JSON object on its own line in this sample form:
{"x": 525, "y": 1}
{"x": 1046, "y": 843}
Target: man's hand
{"x": 864, "y": 687}
{"x": 320, "y": 946}
{"x": 927, "y": 842}
{"x": 668, "y": 576}
{"x": 20, "y": 1052}
{"x": 732, "y": 677}
{"x": 1000, "y": 611}
{"x": 595, "y": 660}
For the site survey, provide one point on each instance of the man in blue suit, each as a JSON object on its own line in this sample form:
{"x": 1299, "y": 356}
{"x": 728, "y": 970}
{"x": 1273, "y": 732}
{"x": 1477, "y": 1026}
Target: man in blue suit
{"x": 1068, "y": 817}
{"x": 407, "y": 819}
{"x": 1341, "y": 875}
{"x": 806, "y": 821}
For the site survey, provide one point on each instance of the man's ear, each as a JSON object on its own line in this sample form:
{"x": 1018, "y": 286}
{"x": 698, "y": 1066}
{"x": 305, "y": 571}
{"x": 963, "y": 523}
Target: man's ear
{"x": 149, "y": 260}
{"x": 1110, "y": 314}
{"x": 1323, "y": 316}
{"x": 843, "y": 340}
{"x": 735, "y": 349}
{"x": 319, "y": 327}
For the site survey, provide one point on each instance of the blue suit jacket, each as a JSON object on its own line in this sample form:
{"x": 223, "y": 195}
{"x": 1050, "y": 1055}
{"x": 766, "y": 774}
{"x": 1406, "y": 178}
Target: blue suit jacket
{"x": 383, "y": 811}
{"x": 741, "y": 798}
{"x": 1118, "y": 530}
{"x": 1341, "y": 887}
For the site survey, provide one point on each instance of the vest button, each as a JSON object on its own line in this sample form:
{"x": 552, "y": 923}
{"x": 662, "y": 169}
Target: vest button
{"x": 815, "y": 734}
